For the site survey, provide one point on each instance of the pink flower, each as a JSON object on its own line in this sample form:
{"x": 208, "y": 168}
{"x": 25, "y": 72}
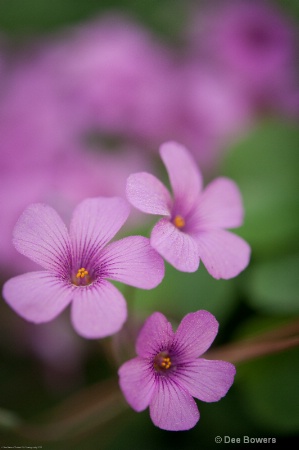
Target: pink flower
{"x": 195, "y": 220}
{"x": 77, "y": 265}
{"x": 210, "y": 113}
{"x": 167, "y": 372}
{"x": 252, "y": 40}
{"x": 48, "y": 154}
{"x": 117, "y": 76}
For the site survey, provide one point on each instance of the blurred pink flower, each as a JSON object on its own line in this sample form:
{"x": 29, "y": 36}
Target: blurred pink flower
{"x": 62, "y": 183}
{"x": 77, "y": 265}
{"x": 210, "y": 112}
{"x": 124, "y": 83}
{"x": 195, "y": 221}
{"x": 115, "y": 73}
{"x": 33, "y": 119}
{"x": 45, "y": 155}
{"x": 168, "y": 372}
{"x": 251, "y": 40}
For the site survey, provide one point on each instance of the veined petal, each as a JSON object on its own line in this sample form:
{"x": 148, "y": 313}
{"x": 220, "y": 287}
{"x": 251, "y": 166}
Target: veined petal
{"x": 133, "y": 261}
{"x": 37, "y": 296}
{"x": 177, "y": 247}
{"x": 137, "y": 382}
{"x": 155, "y": 336}
{"x": 98, "y": 310}
{"x": 41, "y": 235}
{"x": 184, "y": 175}
{"x": 172, "y": 407}
{"x": 94, "y": 223}
{"x": 224, "y": 254}
{"x": 195, "y": 334}
{"x": 207, "y": 380}
{"x": 148, "y": 194}
{"x": 219, "y": 206}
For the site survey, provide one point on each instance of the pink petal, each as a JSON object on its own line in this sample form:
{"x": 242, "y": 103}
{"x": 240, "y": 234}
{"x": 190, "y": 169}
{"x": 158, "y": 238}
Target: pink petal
{"x": 37, "y": 296}
{"x": 98, "y": 310}
{"x": 94, "y": 223}
{"x": 133, "y": 261}
{"x": 220, "y": 206}
{"x": 137, "y": 382}
{"x": 177, "y": 247}
{"x": 41, "y": 235}
{"x": 224, "y": 254}
{"x": 148, "y": 194}
{"x": 207, "y": 380}
{"x": 195, "y": 334}
{"x": 155, "y": 336}
{"x": 172, "y": 408}
{"x": 184, "y": 175}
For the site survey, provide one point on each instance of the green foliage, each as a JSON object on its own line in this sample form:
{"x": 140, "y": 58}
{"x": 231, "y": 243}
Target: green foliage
{"x": 265, "y": 165}
{"x": 291, "y": 7}
{"x": 273, "y": 286}
{"x": 269, "y": 388}
{"x": 181, "y": 293}
{"x": 19, "y": 17}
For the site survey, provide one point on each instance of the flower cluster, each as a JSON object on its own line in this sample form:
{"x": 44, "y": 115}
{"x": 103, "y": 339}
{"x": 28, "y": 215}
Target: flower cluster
{"x": 78, "y": 264}
{"x": 110, "y": 83}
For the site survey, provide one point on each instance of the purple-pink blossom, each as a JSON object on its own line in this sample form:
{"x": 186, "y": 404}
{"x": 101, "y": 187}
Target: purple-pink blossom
{"x": 116, "y": 75}
{"x": 168, "y": 372}
{"x": 77, "y": 265}
{"x": 211, "y": 110}
{"x": 250, "y": 40}
{"x": 195, "y": 220}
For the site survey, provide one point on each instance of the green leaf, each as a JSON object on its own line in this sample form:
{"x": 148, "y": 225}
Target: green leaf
{"x": 273, "y": 286}
{"x": 181, "y": 293}
{"x": 269, "y": 391}
{"x": 19, "y": 17}
{"x": 265, "y": 165}
{"x": 291, "y": 7}
{"x": 267, "y": 387}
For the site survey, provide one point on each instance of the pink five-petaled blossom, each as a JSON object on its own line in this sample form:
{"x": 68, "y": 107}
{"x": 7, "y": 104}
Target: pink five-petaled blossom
{"x": 167, "y": 372}
{"x": 195, "y": 220}
{"x": 77, "y": 265}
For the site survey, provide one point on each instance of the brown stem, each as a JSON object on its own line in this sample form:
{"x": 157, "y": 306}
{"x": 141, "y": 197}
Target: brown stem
{"x": 244, "y": 352}
{"x": 266, "y": 343}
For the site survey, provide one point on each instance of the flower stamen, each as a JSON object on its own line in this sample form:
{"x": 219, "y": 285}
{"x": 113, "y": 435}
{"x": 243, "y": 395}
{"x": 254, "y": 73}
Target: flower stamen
{"x": 82, "y": 278}
{"x": 166, "y": 363}
{"x": 82, "y": 273}
{"x": 179, "y": 222}
{"x": 162, "y": 362}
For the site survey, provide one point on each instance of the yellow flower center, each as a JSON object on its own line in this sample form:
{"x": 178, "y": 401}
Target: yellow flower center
{"x": 82, "y": 273}
{"x": 82, "y": 278}
{"x": 165, "y": 363}
{"x": 178, "y": 221}
{"x": 162, "y": 362}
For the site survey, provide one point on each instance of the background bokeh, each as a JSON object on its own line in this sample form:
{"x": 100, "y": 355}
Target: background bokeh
{"x": 88, "y": 92}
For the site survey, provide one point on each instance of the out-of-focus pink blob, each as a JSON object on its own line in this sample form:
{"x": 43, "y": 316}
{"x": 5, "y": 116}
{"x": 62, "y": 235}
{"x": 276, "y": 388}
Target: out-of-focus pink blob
{"x": 116, "y": 74}
{"x": 82, "y": 110}
{"x": 210, "y": 112}
{"x": 46, "y": 152}
{"x": 250, "y": 40}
